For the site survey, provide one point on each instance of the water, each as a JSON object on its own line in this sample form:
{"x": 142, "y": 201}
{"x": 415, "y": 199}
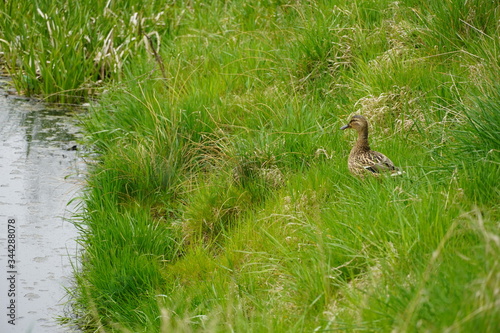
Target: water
{"x": 39, "y": 175}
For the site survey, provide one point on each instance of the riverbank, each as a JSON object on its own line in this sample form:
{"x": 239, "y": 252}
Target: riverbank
{"x": 221, "y": 200}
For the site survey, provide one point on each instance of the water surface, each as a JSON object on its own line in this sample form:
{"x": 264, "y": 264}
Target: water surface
{"x": 39, "y": 175}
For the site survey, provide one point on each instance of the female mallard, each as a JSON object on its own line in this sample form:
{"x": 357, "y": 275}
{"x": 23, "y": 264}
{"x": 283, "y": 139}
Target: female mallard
{"x": 362, "y": 159}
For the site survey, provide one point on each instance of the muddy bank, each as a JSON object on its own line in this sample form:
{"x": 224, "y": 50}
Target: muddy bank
{"x": 39, "y": 174}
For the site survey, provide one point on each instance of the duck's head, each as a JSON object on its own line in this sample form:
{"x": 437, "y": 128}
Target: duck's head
{"x": 357, "y": 122}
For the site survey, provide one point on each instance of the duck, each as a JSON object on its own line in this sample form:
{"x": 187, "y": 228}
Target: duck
{"x": 362, "y": 160}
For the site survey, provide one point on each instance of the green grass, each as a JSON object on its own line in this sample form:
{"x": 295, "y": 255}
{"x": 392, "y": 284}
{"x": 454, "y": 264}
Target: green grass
{"x": 63, "y": 51}
{"x": 220, "y": 200}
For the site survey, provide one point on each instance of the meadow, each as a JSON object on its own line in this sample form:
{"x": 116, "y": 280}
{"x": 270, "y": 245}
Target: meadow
{"x": 218, "y": 197}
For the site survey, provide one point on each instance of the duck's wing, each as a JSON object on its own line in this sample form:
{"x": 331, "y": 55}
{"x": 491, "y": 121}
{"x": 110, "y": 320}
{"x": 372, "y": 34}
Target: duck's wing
{"x": 377, "y": 163}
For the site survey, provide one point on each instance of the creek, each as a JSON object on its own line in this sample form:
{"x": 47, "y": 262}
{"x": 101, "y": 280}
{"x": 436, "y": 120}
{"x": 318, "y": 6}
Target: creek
{"x": 41, "y": 176}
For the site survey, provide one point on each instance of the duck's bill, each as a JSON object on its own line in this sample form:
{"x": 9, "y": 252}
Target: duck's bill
{"x": 344, "y": 127}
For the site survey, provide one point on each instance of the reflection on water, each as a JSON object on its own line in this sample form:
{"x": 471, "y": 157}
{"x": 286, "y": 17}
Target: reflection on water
{"x": 39, "y": 175}
{"x": 48, "y": 126}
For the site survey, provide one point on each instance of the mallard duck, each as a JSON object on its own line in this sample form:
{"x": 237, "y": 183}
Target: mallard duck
{"x": 362, "y": 160}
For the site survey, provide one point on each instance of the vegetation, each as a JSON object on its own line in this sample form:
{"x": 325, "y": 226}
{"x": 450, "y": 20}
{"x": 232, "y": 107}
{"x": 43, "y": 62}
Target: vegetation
{"x": 64, "y": 50}
{"x": 220, "y": 198}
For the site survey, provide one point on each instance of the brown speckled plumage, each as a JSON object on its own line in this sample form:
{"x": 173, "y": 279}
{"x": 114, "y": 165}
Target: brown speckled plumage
{"x": 362, "y": 160}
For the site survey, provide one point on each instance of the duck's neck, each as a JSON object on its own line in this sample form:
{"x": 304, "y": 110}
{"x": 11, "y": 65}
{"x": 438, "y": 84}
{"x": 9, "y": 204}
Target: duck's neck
{"x": 362, "y": 142}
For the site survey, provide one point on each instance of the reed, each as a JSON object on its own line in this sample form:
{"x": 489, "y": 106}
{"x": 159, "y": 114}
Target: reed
{"x": 63, "y": 51}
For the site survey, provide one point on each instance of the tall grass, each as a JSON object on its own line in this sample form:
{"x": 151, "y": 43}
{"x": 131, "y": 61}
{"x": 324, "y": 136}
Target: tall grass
{"x": 220, "y": 198}
{"x": 64, "y": 50}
